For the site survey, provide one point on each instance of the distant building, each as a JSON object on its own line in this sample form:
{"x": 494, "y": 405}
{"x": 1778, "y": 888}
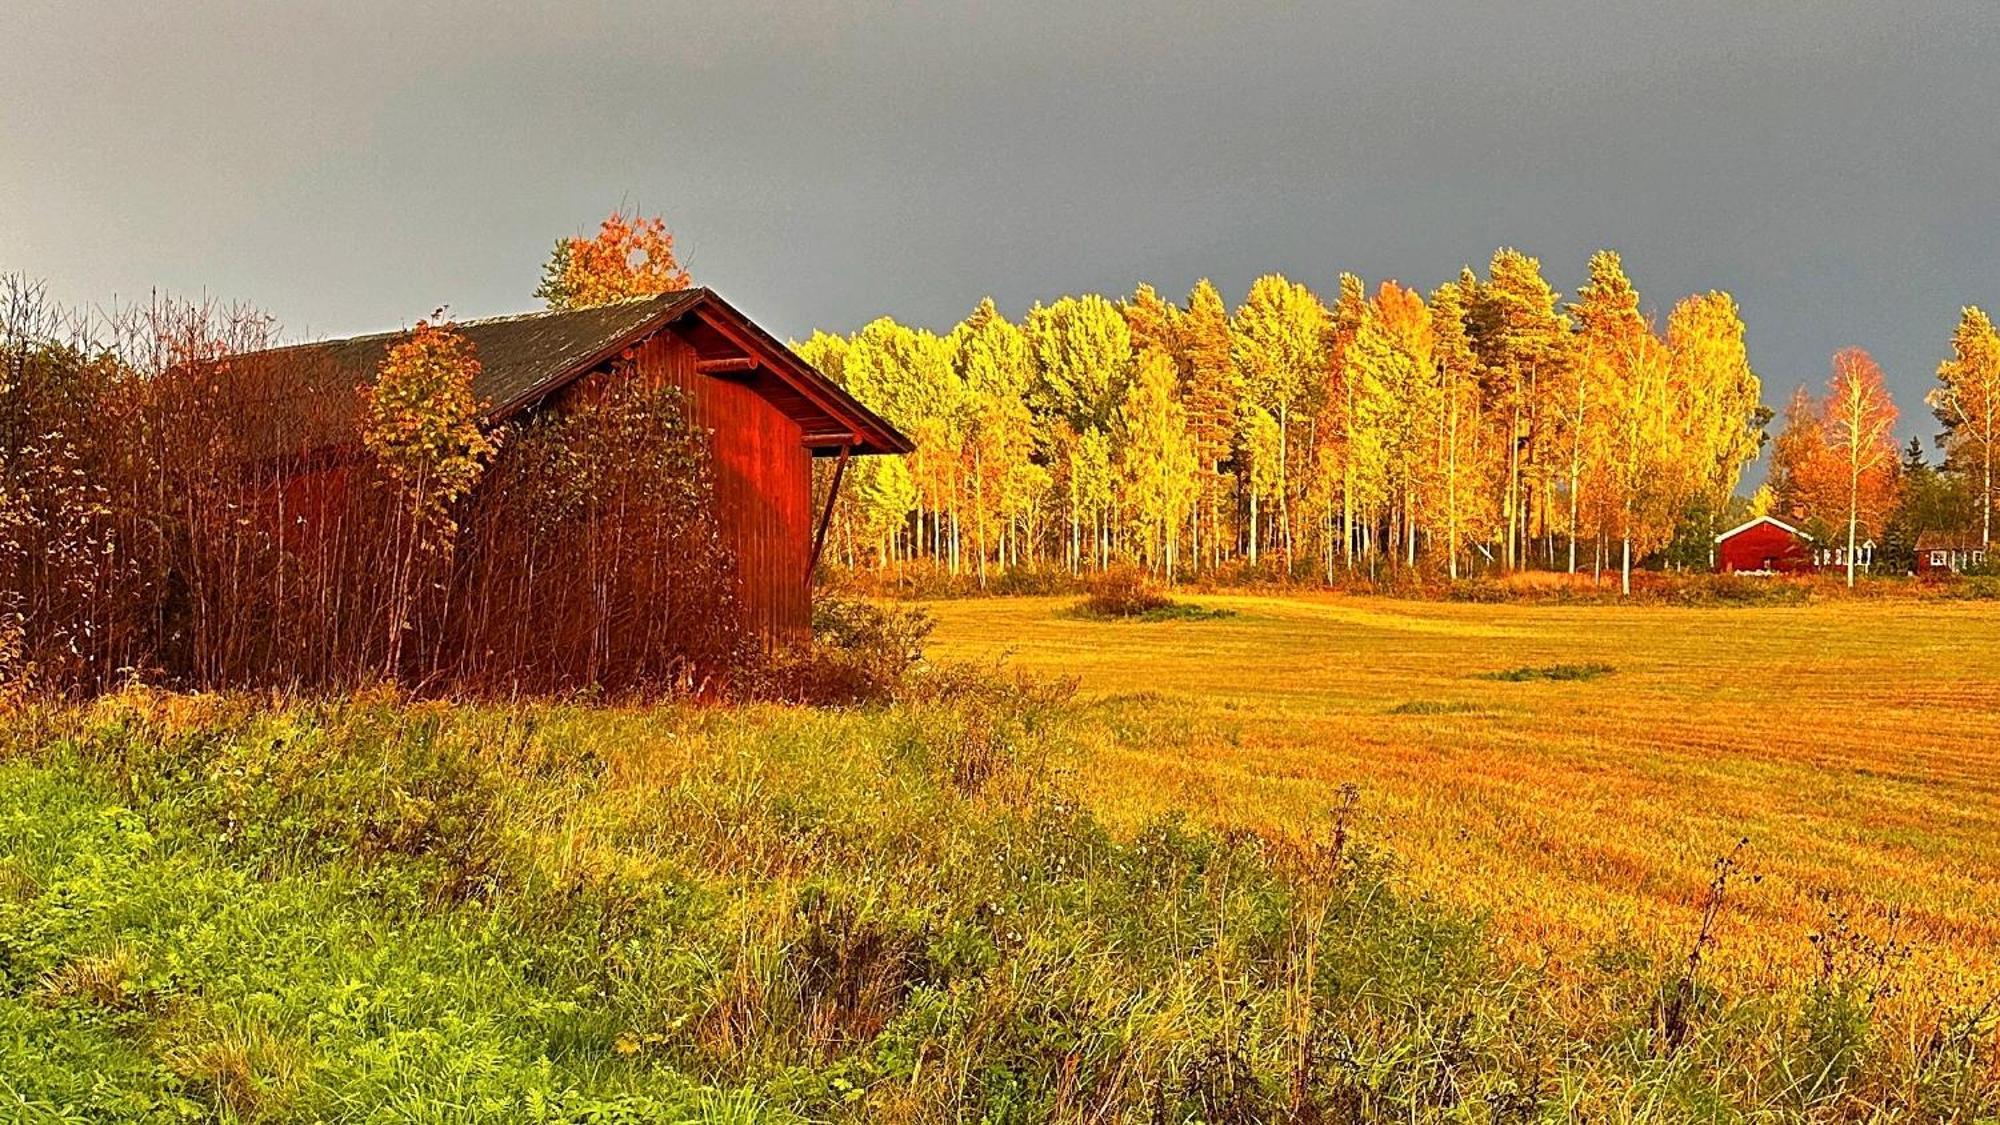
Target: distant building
{"x": 1765, "y": 545}
{"x": 1835, "y": 558}
{"x": 1942, "y": 553}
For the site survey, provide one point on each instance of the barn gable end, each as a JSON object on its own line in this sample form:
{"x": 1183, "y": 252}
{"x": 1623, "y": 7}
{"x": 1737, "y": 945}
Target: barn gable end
{"x": 1765, "y": 545}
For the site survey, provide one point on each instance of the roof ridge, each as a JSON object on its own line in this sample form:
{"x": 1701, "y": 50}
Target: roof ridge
{"x": 480, "y": 322}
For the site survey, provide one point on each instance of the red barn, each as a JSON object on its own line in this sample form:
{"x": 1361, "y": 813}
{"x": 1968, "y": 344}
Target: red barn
{"x": 769, "y": 414}
{"x": 1763, "y": 546}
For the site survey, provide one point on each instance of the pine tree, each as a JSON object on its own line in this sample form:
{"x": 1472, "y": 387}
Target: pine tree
{"x": 1967, "y": 403}
{"x": 1523, "y": 342}
{"x": 1458, "y": 419}
{"x": 1212, "y": 395}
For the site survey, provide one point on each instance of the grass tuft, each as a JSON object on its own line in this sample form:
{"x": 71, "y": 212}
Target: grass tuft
{"x": 1556, "y": 672}
{"x": 1436, "y": 707}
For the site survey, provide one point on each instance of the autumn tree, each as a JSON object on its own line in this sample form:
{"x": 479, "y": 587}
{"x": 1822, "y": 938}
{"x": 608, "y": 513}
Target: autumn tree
{"x": 1089, "y": 472}
{"x": 1211, "y": 395}
{"x": 1082, "y": 351}
{"x": 907, "y": 375}
{"x": 1719, "y": 398}
{"x": 1153, "y": 322}
{"x": 1261, "y": 451}
{"x": 1522, "y": 341}
{"x": 1860, "y": 422}
{"x": 1803, "y": 483}
{"x": 1483, "y": 422}
{"x": 1082, "y": 348}
{"x": 420, "y": 422}
{"x": 1610, "y": 338}
{"x": 630, "y": 256}
{"x": 990, "y": 357}
{"x": 1463, "y": 479}
{"x": 1641, "y": 451}
{"x": 1159, "y": 458}
{"x": 1280, "y": 348}
{"x": 1391, "y": 388}
{"x": 1341, "y": 436}
{"x": 1967, "y": 403}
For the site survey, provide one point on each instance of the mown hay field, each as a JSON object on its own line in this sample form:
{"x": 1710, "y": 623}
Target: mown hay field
{"x": 1855, "y": 744}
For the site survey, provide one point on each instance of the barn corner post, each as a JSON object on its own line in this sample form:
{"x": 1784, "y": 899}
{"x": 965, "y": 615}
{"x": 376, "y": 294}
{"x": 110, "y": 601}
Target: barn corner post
{"x": 826, "y": 514}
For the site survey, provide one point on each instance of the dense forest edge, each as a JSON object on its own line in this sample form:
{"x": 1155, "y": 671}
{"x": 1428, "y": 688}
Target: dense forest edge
{"x": 1487, "y": 429}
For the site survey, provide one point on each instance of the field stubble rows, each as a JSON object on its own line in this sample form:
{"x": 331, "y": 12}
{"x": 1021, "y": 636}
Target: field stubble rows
{"x": 1856, "y": 745}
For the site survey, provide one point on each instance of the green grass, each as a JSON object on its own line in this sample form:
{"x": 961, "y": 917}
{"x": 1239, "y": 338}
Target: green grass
{"x": 1560, "y": 673}
{"x": 1436, "y": 707}
{"x": 553, "y": 914}
{"x": 223, "y": 909}
{"x": 1173, "y": 611}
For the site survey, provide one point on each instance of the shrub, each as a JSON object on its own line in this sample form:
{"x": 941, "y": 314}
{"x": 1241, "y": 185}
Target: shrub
{"x": 1124, "y": 592}
{"x": 861, "y": 652}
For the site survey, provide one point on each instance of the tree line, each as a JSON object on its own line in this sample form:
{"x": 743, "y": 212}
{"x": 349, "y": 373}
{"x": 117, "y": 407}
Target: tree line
{"x": 1488, "y": 424}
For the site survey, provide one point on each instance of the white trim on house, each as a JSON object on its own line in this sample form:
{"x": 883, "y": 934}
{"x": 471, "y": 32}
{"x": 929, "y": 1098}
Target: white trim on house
{"x": 1743, "y": 527}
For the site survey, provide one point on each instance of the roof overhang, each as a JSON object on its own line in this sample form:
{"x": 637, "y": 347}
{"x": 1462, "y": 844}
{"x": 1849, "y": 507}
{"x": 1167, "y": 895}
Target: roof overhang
{"x": 840, "y": 421}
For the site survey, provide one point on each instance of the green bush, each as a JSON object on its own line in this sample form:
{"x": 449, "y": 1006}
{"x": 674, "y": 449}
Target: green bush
{"x": 860, "y": 652}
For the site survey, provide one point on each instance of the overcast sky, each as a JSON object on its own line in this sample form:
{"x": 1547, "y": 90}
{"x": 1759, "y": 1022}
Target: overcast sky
{"x": 349, "y": 166}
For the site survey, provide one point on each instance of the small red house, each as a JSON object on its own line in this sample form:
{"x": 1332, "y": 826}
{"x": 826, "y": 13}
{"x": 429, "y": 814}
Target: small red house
{"x": 1940, "y": 554}
{"x": 1765, "y": 545}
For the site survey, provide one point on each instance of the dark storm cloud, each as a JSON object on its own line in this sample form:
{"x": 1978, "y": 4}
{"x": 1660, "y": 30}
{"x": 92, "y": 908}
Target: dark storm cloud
{"x": 351, "y": 166}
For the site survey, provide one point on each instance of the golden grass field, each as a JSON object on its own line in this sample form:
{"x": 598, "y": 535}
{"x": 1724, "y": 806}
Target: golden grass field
{"x": 1856, "y": 744}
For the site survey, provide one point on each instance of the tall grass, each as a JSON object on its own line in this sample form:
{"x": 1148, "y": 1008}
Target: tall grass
{"x": 181, "y": 504}
{"x": 230, "y": 907}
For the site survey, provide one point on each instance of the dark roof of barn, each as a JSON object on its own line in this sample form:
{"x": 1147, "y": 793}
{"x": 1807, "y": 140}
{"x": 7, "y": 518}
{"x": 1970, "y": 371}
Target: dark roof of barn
{"x": 1949, "y": 541}
{"x": 525, "y": 357}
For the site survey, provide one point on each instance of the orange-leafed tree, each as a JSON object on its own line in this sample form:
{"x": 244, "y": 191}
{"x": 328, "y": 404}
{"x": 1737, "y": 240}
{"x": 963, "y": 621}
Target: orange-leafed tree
{"x": 630, "y": 256}
{"x": 1803, "y": 485}
{"x": 1212, "y": 392}
{"x": 1967, "y": 402}
{"x": 1463, "y": 498}
{"x": 420, "y": 421}
{"x": 1860, "y": 421}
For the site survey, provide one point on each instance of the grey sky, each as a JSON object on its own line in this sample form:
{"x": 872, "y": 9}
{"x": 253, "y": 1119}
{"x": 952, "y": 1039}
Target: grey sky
{"x": 349, "y": 166}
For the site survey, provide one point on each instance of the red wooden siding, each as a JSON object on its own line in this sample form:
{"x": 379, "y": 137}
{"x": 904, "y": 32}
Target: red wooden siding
{"x": 763, "y": 486}
{"x": 1762, "y": 547}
